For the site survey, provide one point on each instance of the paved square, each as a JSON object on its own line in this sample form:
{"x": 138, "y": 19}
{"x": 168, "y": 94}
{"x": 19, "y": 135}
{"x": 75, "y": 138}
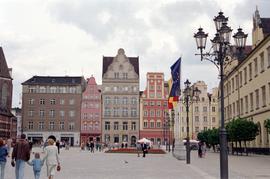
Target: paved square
{"x": 78, "y": 164}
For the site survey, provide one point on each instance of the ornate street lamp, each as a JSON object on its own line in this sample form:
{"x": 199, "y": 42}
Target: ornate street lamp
{"x": 221, "y": 47}
{"x": 190, "y": 95}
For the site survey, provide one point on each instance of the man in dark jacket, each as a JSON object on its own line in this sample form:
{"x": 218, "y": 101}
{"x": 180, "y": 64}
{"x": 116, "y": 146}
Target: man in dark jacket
{"x": 21, "y": 154}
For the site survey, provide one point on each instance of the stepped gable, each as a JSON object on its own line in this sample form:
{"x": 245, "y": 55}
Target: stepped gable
{"x": 134, "y": 61}
{"x": 4, "y": 72}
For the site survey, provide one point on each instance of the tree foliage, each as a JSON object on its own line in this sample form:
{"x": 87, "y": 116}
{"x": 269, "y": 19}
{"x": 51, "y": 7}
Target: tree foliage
{"x": 267, "y": 124}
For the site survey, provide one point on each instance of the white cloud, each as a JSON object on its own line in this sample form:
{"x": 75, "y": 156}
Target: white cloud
{"x": 62, "y": 37}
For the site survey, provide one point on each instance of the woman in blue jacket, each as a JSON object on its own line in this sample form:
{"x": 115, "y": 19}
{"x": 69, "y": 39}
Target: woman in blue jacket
{"x": 3, "y": 158}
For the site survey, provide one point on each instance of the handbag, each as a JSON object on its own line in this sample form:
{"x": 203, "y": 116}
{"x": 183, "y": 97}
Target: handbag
{"x": 58, "y": 168}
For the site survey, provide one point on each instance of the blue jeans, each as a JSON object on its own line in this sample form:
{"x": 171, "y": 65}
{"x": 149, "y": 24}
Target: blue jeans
{"x": 2, "y": 169}
{"x": 37, "y": 174}
{"x": 19, "y": 168}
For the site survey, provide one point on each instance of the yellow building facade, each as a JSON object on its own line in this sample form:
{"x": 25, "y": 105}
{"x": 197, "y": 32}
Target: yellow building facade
{"x": 247, "y": 83}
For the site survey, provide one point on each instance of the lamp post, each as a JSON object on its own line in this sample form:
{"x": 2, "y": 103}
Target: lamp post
{"x": 190, "y": 95}
{"x": 217, "y": 55}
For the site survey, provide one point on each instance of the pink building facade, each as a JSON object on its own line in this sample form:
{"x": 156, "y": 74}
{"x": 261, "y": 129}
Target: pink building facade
{"x": 154, "y": 110}
{"x": 91, "y": 112}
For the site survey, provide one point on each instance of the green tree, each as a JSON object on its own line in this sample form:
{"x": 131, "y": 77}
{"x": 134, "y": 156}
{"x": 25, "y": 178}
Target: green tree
{"x": 241, "y": 130}
{"x": 267, "y": 125}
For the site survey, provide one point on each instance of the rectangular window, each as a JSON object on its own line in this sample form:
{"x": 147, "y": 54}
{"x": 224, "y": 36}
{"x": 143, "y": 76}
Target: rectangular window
{"x": 255, "y": 67}
{"x": 52, "y": 101}
{"x": 263, "y": 96}
{"x": 196, "y": 108}
{"x": 125, "y": 75}
{"x": 257, "y": 98}
{"x": 204, "y": 109}
{"x": 213, "y": 109}
{"x": 158, "y": 113}
{"x": 71, "y": 113}
{"x": 152, "y": 124}
{"x": 262, "y": 61}
{"x": 125, "y": 125}
{"x": 246, "y": 102}
{"x": 107, "y": 111}
{"x": 115, "y": 125}
{"x": 62, "y": 101}
{"x": 241, "y": 106}
{"x": 71, "y": 101}
{"x": 204, "y": 118}
{"x": 233, "y": 109}
{"x": 145, "y": 124}
{"x": 251, "y": 101}
{"x": 42, "y": 89}
{"x": 204, "y": 128}
{"x": 51, "y": 125}
{"x": 71, "y": 126}
{"x": 268, "y": 56}
{"x": 158, "y": 124}
{"x": 41, "y": 125}
{"x": 196, "y": 118}
{"x": 245, "y": 75}
{"x": 213, "y": 119}
{"x": 133, "y": 126}
{"x": 30, "y": 125}
{"x": 125, "y": 112}
{"x": 42, "y": 101}
{"x": 197, "y": 129}
{"x": 30, "y": 113}
{"x": 52, "y": 113}
{"x": 133, "y": 112}
{"x": 232, "y": 84}
{"x": 145, "y": 114}
{"x": 116, "y": 75}
{"x": 62, "y": 125}
{"x": 41, "y": 113}
{"x": 32, "y": 89}
{"x": 31, "y": 101}
{"x": 107, "y": 126}
{"x": 240, "y": 78}
{"x": 250, "y": 71}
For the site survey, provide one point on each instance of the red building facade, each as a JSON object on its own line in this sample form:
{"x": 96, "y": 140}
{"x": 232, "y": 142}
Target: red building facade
{"x": 91, "y": 112}
{"x": 154, "y": 110}
{"x": 6, "y": 118}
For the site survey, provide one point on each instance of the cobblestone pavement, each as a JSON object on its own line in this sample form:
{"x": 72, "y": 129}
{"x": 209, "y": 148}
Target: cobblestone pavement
{"x": 78, "y": 164}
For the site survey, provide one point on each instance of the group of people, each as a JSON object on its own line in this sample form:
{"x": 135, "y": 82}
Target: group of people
{"x": 91, "y": 146}
{"x": 21, "y": 154}
{"x": 142, "y": 147}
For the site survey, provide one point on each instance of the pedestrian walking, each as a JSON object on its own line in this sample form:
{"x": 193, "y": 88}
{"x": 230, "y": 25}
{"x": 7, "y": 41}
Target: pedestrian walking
{"x": 9, "y": 145}
{"x": 3, "y": 158}
{"x": 92, "y": 145}
{"x": 37, "y": 164}
{"x": 58, "y": 146}
{"x": 51, "y": 158}
{"x": 144, "y": 149}
{"x": 203, "y": 149}
{"x": 20, "y": 154}
{"x": 200, "y": 150}
{"x": 138, "y": 146}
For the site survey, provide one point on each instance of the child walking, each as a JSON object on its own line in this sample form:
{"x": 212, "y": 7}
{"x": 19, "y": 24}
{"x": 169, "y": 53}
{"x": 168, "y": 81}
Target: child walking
{"x": 37, "y": 164}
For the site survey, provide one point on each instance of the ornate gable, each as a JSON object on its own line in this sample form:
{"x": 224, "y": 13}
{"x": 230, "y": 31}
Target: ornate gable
{"x": 121, "y": 67}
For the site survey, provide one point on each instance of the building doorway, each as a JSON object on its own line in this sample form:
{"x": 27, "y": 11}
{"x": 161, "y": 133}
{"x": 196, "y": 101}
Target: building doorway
{"x": 133, "y": 141}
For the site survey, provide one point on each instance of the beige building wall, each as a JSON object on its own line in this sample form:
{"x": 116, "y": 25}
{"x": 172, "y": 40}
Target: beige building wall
{"x": 247, "y": 85}
{"x": 203, "y": 114}
{"x": 120, "y": 99}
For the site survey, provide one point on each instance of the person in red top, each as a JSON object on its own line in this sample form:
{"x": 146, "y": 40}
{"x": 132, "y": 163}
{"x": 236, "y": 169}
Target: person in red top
{"x": 21, "y": 154}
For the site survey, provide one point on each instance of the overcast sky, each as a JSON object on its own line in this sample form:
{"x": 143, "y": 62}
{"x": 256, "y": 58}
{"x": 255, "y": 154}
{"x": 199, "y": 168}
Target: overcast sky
{"x": 69, "y": 37}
